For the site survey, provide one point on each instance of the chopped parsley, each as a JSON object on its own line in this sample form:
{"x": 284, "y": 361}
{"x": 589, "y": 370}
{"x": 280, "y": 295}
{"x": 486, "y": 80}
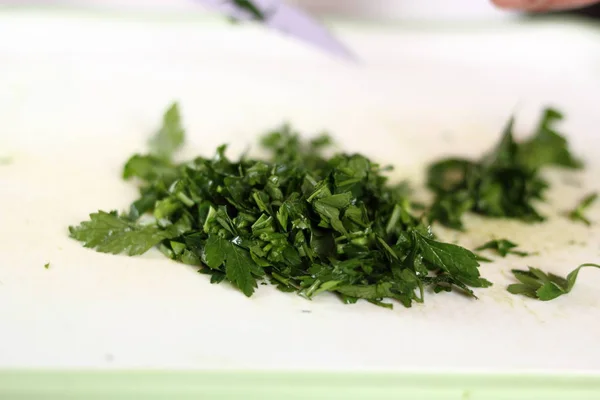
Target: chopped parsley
{"x": 505, "y": 183}
{"x": 311, "y": 223}
{"x": 305, "y": 222}
{"x": 502, "y": 247}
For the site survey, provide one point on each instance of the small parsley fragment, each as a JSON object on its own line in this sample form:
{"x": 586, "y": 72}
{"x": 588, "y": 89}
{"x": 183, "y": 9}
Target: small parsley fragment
{"x": 47, "y": 265}
{"x": 578, "y": 214}
{"x": 481, "y": 258}
{"x": 306, "y": 222}
{"x": 503, "y": 247}
{"x": 505, "y": 183}
{"x": 540, "y": 285}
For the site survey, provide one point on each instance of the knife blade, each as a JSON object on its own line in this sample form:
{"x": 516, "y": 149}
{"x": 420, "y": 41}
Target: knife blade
{"x": 283, "y": 18}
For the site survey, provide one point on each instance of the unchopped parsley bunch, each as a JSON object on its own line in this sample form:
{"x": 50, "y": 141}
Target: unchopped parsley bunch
{"x": 303, "y": 221}
{"x": 505, "y": 182}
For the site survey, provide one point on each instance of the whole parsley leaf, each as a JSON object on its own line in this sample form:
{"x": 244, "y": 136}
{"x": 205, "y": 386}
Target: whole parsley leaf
{"x": 238, "y": 270}
{"x": 540, "y": 285}
{"x": 109, "y": 233}
{"x": 215, "y": 251}
{"x": 453, "y": 259}
{"x": 236, "y": 261}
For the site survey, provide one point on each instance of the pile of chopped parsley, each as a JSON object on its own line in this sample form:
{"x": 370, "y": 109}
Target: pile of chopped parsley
{"x": 312, "y": 223}
{"x": 506, "y": 182}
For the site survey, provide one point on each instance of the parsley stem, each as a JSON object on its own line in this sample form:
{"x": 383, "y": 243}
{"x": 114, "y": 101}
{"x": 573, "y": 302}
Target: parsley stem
{"x": 308, "y": 292}
{"x": 285, "y": 281}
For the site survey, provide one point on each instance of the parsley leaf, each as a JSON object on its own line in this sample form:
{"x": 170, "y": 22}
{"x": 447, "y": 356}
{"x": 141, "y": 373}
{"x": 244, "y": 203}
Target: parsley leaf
{"x": 237, "y": 263}
{"x": 109, "y": 233}
{"x": 238, "y": 271}
{"x": 544, "y": 286}
{"x": 149, "y": 168}
{"x": 578, "y": 214}
{"x": 170, "y": 137}
{"x": 455, "y": 260}
{"x": 215, "y": 251}
{"x": 503, "y": 247}
{"x": 547, "y": 146}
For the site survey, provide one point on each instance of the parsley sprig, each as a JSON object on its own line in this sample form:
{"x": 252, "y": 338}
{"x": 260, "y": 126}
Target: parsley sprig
{"x": 540, "y": 285}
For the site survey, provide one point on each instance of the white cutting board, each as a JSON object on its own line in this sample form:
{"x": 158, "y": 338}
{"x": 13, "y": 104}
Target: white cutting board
{"x": 80, "y": 93}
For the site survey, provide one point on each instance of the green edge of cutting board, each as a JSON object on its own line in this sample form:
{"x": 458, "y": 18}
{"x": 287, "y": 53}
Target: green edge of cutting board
{"x": 36, "y": 384}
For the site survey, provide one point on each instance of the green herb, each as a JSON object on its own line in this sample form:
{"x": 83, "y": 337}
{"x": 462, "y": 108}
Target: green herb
{"x": 481, "y": 258}
{"x": 505, "y": 183}
{"x": 503, "y": 247}
{"x": 170, "y": 137}
{"x": 544, "y": 286}
{"x": 547, "y": 146}
{"x": 305, "y": 222}
{"x": 47, "y": 265}
{"x": 578, "y": 213}
{"x": 110, "y": 233}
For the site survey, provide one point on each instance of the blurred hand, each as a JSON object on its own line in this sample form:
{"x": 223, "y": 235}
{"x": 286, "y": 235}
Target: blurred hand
{"x": 543, "y": 5}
